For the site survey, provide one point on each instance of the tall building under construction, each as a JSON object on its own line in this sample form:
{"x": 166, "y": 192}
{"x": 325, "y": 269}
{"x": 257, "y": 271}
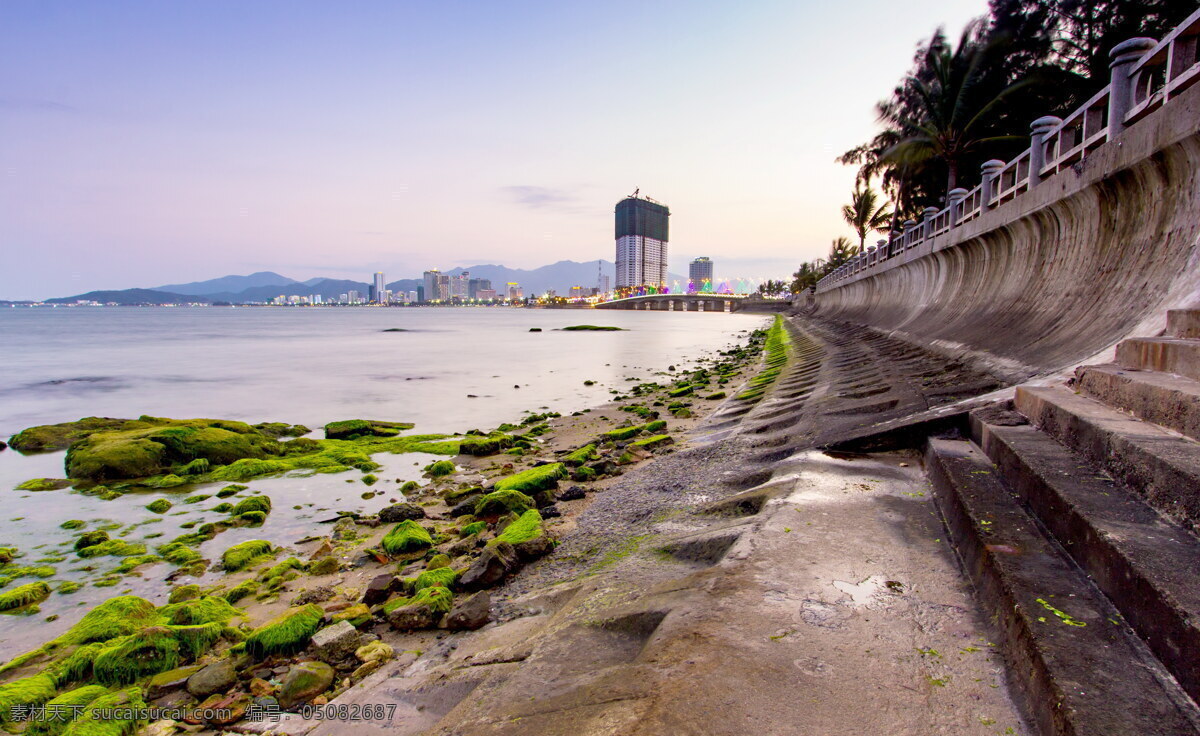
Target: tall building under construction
{"x": 641, "y": 242}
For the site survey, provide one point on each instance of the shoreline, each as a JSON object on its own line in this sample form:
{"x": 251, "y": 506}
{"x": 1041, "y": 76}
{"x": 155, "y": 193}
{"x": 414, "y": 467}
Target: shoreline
{"x": 340, "y": 591}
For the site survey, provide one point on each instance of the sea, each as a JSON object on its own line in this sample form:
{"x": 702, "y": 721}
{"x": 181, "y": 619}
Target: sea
{"x": 446, "y": 370}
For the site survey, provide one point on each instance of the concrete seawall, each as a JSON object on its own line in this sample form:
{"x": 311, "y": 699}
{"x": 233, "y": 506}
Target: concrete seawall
{"x": 1063, "y": 272}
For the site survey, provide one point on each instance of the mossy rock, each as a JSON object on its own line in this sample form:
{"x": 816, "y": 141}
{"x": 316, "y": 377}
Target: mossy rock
{"x": 61, "y": 710}
{"x": 498, "y": 503}
{"x": 285, "y": 634}
{"x": 48, "y": 437}
{"x": 593, "y": 328}
{"x": 183, "y": 593}
{"x": 483, "y": 446}
{"x": 583, "y": 475}
{"x": 43, "y": 484}
{"x": 622, "y": 433}
{"x": 282, "y": 429}
{"x": 323, "y": 566}
{"x": 24, "y": 596}
{"x": 655, "y": 426}
{"x": 580, "y": 456}
{"x": 438, "y": 561}
{"x": 475, "y": 527}
{"x": 651, "y": 443}
{"x": 159, "y": 506}
{"x": 443, "y": 576}
{"x": 73, "y": 524}
{"x": 203, "y": 610}
{"x": 230, "y": 490}
{"x": 407, "y": 536}
{"x": 681, "y": 391}
{"x": 353, "y": 428}
{"x": 355, "y": 615}
{"x": 115, "y": 714}
{"x": 252, "y": 518}
{"x": 439, "y": 468}
{"x": 410, "y": 485}
{"x": 370, "y": 479}
{"x": 148, "y": 652}
{"x": 240, "y": 591}
{"x": 525, "y": 529}
{"x": 252, "y": 503}
{"x": 88, "y": 539}
{"x": 24, "y": 693}
{"x": 540, "y": 478}
{"x": 240, "y": 556}
{"x": 114, "y": 548}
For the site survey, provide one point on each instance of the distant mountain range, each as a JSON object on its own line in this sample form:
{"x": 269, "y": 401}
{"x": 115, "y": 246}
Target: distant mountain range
{"x": 266, "y": 285}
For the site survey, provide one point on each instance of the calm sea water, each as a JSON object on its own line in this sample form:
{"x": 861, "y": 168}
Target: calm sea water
{"x": 306, "y": 366}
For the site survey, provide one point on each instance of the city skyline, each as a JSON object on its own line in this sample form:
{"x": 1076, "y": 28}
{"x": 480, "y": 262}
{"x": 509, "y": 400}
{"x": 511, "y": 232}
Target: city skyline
{"x": 161, "y": 142}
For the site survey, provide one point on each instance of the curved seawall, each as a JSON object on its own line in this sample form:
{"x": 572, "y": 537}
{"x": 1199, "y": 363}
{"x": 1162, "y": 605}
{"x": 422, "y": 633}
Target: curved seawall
{"x": 1093, "y": 254}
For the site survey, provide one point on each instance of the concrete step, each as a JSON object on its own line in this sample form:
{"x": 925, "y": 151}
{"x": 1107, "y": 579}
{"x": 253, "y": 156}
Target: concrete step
{"x": 1145, "y": 564}
{"x": 1078, "y": 668}
{"x": 1162, "y": 467}
{"x": 1183, "y": 323}
{"x": 1166, "y": 354}
{"x": 1165, "y": 399}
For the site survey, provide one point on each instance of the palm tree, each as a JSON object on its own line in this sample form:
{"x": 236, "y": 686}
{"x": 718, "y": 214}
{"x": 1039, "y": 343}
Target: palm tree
{"x": 948, "y": 108}
{"x": 865, "y": 214}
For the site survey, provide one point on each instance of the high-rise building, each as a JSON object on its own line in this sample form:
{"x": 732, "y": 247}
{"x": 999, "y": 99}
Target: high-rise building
{"x": 700, "y": 275}
{"x": 354, "y": 297}
{"x": 431, "y": 280}
{"x": 642, "y": 234}
{"x": 513, "y": 290}
{"x": 459, "y": 285}
{"x": 485, "y": 295}
{"x": 474, "y": 286}
{"x": 605, "y": 284}
{"x": 378, "y": 286}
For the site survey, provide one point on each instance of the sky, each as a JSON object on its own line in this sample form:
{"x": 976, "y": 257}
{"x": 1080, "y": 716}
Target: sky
{"x": 145, "y": 143}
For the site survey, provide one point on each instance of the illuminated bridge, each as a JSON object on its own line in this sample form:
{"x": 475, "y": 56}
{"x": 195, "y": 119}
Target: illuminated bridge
{"x": 681, "y": 302}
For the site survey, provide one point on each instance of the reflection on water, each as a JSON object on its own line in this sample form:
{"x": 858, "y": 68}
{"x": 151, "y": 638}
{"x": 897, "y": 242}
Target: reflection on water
{"x": 450, "y": 370}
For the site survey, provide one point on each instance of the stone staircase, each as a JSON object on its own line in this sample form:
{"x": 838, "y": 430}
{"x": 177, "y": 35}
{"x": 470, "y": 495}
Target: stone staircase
{"x": 1074, "y": 509}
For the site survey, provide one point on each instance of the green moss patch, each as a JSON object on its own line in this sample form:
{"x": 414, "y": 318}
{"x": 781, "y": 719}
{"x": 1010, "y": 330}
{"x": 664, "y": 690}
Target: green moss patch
{"x": 439, "y": 468}
{"x": 580, "y": 456}
{"x": 252, "y": 503}
{"x": 443, "y": 576}
{"x": 47, "y": 437}
{"x": 650, "y": 443}
{"x": 483, "y": 446}
{"x": 44, "y": 484}
{"x": 287, "y": 633}
{"x": 524, "y": 529}
{"x": 62, "y": 710}
{"x": 159, "y": 506}
{"x": 498, "y": 503}
{"x": 147, "y": 652}
{"x": 25, "y": 595}
{"x": 356, "y": 428}
{"x": 28, "y": 691}
{"x": 241, "y": 556}
{"x": 113, "y": 547}
{"x": 115, "y": 714}
{"x": 407, "y": 536}
{"x": 540, "y": 478}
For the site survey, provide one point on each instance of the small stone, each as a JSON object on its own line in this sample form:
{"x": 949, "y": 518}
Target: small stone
{"x": 319, "y": 594}
{"x": 260, "y": 688}
{"x": 214, "y": 678}
{"x": 304, "y": 682}
{"x": 320, "y": 700}
{"x": 165, "y": 682}
{"x": 491, "y": 567}
{"x": 375, "y": 651}
{"x": 378, "y": 589}
{"x": 399, "y": 512}
{"x": 225, "y": 708}
{"x": 574, "y": 493}
{"x": 411, "y": 617}
{"x": 365, "y": 669}
{"x": 335, "y": 643}
{"x": 324, "y": 549}
{"x": 324, "y": 566}
{"x": 470, "y": 614}
{"x": 550, "y": 512}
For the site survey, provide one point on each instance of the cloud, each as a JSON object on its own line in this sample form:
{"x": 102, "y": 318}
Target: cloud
{"x": 539, "y": 197}
{"x": 50, "y": 106}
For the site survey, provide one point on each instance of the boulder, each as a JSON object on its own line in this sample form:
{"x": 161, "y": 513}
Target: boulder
{"x": 464, "y": 508}
{"x": 304, "y": 682}
{"x": 551, "y": 512}
{"x": 214, "y": 678}
{"x": 399, "y": 512}
{"x": 223, "y": 709}
{"x": 169, "y": 681}
{"x": 408, "y": 618}
{"x": 345, "y": 528}
{"x": 471, "y": 613}
{"x": 491, "y": 567}
{"x": 335, "y": 643}
{"x": 319, "y": 594}
{"x": 378, "y": 590}
{"x": 574, "y": 493}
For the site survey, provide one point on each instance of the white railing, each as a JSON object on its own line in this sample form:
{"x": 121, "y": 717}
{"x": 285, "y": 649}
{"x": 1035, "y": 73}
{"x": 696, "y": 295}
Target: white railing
{"x": 1145, "y": 76}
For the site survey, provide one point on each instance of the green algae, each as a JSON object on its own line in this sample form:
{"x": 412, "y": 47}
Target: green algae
{"x": 583, "y": 475}
{"x": 43, "y": 484}
{"x": 197, "y": 498}
{"x": 198, "y": 611}
{"x": 524, "y": 529}
{"x": 73, "y": 524}
{"x": 407, "y": 536}
{"x": 241, "y": 556}
{"x": 23, "y": 596}
{"x": 358, "y": 428}
{"x": 147, "y": 652}
{"x": 113, "y": 547}
{"x": 241, "y": 590}
{"x": 115, "y": 714}
{"x": 540, "y": 478}
{"x": 777, "y": 348}
{"x": 129, "y": 564}
{"x": 48, "y": 437}
{"x": 497, "y": 503}
{"x": 436, "y": 598}
{"x": 649, "y": 443}
{"x": 67, "y": 587}
{"x": 28, "y": 691}
{"x": 287, "y": 633}
{"x": 61, "y": 710}
{"x": 231, "y": 490}
{"x": 622, "y": 433}
{"x": 159, "y": 506}
{"x": 87, "y": 539}
{"x": 483, "y": 446}
{"x": 443, "y": 576}
{"x": 252, "y": 503}
{"x": 475, "y": 527}
{"x": 580, "y": 456}
{"x": 439, "y": 468}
